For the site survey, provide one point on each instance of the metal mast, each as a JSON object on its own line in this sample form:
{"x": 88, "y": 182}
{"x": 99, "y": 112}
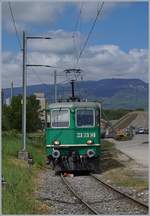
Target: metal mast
{"x": 24, "y": 85}
{"x": 23, "y": 154}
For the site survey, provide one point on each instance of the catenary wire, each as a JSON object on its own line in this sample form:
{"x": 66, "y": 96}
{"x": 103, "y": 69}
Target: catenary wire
{"x": 19, "y": 42}
{"x": 15, "y": 26}
{"x": 76, "y": 28}
{"x": 91, "y": 30}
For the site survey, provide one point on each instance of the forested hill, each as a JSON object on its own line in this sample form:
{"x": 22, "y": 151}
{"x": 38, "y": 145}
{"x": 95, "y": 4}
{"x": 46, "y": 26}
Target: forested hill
{"x": 115, "y": 93}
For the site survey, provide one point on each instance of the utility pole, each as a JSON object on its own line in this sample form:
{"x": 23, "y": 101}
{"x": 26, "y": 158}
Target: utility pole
{"x": 23, "y": 154}
{"x": 55, "y": 85}
{"x": 11, "y": 92}
{"x": 24, "y": 85}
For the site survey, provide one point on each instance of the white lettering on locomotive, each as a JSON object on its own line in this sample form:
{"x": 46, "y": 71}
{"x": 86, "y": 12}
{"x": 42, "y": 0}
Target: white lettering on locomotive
{"x": 86, "y": 135}
{"x": 79, "y": 135}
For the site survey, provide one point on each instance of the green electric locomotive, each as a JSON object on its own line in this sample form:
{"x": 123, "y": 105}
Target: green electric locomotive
{"x": 72, "y": 135}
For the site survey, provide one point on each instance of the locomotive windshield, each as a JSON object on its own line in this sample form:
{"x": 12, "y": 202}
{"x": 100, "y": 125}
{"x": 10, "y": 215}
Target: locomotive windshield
{"x": 60, "y": 118}
{"x": 85, "y": 118}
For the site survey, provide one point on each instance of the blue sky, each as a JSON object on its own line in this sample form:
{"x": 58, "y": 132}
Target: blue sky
{"x": 122, "y": 29}
{"x": 126, "y": 26}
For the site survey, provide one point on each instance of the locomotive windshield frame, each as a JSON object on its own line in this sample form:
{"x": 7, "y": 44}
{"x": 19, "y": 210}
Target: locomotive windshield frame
{"x": 60, "y": 116}
{"x": 83, "y": 119}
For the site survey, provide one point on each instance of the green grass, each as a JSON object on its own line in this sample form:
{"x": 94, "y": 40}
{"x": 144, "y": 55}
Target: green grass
{"x": 17, "y": 194}
{"x": 121, "y": 175}
{"x": 106, "y": 145}
{"x": 127, "y": 178}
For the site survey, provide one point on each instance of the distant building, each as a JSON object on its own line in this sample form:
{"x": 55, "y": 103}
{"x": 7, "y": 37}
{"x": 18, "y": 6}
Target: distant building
{"x": 42, "y": 102}
{"x": 8, "y": 101}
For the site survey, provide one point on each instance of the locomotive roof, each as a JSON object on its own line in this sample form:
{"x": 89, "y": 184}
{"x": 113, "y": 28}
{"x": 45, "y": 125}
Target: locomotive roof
{"x": 74, "y": 105}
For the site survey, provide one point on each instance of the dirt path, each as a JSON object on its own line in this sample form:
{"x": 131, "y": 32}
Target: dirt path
{"x": 137, "y": 148}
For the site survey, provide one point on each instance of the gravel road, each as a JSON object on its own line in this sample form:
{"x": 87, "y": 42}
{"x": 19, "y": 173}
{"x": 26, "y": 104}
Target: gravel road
{"x": 137, "y": 148}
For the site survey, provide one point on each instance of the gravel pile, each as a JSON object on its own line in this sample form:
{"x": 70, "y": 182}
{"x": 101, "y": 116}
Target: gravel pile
{"x": 102, "y": 199}
{"x": 56, "y": 195}
{"x": 141, "y": 120}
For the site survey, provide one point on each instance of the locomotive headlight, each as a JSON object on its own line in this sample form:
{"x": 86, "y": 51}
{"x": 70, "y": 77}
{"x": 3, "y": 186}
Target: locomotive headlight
{"x": 56, "y": 142}
{"x": 89, "y": 142}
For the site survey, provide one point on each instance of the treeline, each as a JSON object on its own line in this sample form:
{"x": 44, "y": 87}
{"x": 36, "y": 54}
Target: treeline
{"x": 116, "y": 114}
{"x": 12, "y": 114}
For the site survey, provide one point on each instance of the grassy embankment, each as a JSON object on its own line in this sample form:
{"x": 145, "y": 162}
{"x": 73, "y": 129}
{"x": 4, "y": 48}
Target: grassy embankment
{"x": 17, "y": 194}
{"x": 122, "y": 174}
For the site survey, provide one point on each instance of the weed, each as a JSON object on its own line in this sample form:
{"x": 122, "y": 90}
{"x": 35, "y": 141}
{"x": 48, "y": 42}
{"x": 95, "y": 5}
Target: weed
{"x": 17, "y": 195}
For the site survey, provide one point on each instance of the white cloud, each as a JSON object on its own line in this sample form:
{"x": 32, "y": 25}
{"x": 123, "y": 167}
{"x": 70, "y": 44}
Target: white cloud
{"x": 110, "y": 61}
{"x": 32, "y": 14}
{"x": 99, "y": 62}
{"x": 28, "y": 13}
{"x": 61, "y": 42}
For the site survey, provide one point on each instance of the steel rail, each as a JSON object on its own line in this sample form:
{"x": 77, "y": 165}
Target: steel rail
{"x": 120, "y": 192}
{"x": 78, "y": 196}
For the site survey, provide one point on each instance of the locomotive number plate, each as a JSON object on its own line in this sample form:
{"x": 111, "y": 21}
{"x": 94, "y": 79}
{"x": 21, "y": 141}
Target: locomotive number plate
{"x": 86, "y": 135}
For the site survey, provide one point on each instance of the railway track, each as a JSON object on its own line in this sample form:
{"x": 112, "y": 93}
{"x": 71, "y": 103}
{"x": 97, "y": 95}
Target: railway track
{"x": 120, "y": 192}
{"x": 116, "y": 196}
{"x": 93, "y": 211}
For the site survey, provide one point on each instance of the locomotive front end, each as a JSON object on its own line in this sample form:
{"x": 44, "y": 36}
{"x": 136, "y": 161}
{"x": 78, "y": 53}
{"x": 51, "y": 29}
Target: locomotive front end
{"x": 73, "y": 135}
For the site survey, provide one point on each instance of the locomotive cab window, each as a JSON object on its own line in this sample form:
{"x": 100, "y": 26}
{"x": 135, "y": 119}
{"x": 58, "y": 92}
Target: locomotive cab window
{"x": 60, "y": 118}
{"x": 85, "y": 118}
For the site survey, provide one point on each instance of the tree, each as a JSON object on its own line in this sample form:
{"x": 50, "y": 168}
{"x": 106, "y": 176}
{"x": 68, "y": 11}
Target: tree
{"x": 16, "y": 113}
{"x": 140, "y": 109}
{"x": 113, "y": 114}
{"x": 12, "y": 115}
{"x": 5, "y": 117}
{"x": 33, "y": 113}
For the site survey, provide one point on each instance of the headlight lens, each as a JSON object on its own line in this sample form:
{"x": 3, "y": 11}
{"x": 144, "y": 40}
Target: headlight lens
{"x": 56, "y": 142}
{"x": 89, "y": 142}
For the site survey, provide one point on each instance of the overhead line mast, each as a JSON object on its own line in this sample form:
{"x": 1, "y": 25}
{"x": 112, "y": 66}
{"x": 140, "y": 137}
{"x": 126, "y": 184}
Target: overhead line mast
{"x": 23, "y": 154}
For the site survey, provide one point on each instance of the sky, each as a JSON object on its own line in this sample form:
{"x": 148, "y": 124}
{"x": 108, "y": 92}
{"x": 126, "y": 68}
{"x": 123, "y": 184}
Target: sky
{"x": 117, "y": 46}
